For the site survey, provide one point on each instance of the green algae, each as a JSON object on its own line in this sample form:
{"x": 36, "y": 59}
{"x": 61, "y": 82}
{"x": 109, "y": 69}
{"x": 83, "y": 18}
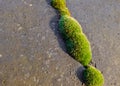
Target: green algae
{"x": 93, "y": 77}
{"x": 60, "y": 5}
{"x": 64, "y": 11}
{"x": 76, "y": 42}
{"x": 68, "y": 26}
{"x": 79, "y": 48}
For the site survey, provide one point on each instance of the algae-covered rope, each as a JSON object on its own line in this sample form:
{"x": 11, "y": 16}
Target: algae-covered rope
{"x": 77, "y": 44}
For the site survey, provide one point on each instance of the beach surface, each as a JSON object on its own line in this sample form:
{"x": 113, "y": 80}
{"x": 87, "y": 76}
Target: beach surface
{"x": 32, "y": 52}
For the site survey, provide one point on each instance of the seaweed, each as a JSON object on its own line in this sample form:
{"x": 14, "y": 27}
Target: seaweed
{"x": 93, "y": 77}
{"x": 77, "y": 44}
{"x": 76, "y": 41}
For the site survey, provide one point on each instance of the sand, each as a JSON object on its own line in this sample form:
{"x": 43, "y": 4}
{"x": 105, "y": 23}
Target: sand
{"x": 32, "y": 52}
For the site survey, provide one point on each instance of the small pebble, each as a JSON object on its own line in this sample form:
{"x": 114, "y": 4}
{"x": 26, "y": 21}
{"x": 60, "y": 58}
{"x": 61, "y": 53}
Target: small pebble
{"x": 20, "y": 28}
{"x": 21, "y": 55}
{"x": 34, "y": 79}
{"x": 0, "y": 55}
{"x": 58, "y": 80}
{"x": 30, "y": 5}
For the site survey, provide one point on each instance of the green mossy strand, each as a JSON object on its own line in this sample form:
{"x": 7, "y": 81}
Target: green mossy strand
{"x": 64, "y": 12}
{"x": 93, "y": 77}
{"x": 68, "y": 25}
{"x": 60, "y": 5}
{"x": 76, "y": 42}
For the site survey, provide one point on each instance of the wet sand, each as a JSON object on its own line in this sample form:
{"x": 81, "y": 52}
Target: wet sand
{"x": 32, "y": 52}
